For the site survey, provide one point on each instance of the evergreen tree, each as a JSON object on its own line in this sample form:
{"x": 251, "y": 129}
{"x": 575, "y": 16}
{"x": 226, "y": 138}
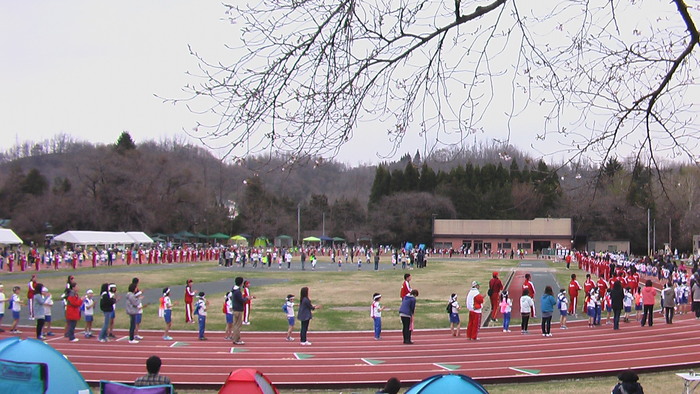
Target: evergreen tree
{"x": 428, "y": 180}
{"x": 124, "y": 143}
{"x": 410, "y": 178}
{"x": 547, "y": 185}
{"x": 639, "y": 192}
{"x": 381, "y": 186}
{"x": 612, "y": 167}
{"x": 397, "y": 182}
{"x": 34, "y": 183}
{"x": 515, "y": 174}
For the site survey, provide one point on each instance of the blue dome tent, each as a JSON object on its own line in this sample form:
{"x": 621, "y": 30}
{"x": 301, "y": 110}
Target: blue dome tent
{"x": 63, "y": 377}
{"x": 449, "y": 383}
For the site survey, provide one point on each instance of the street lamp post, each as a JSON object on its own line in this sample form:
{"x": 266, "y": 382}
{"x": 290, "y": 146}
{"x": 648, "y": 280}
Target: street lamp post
{"x": 299, "y": 224}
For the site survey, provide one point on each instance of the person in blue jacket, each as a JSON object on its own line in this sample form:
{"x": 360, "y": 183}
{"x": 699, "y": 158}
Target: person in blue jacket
{"x": 548, "y": 304}
{"x": 406, "y": 311}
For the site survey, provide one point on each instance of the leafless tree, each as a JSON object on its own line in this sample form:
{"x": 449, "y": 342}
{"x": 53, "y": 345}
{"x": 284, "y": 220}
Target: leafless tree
{"x": 604, "y": 75}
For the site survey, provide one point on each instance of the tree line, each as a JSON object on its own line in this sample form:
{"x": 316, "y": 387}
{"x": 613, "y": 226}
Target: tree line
{"x": 171, "y": 186}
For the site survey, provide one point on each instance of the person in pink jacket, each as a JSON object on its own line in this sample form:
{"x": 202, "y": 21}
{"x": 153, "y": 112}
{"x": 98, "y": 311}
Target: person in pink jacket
{"x": 648, "y": 300}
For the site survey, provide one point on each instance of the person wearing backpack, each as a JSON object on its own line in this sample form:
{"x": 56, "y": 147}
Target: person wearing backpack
{"x": 563, "y": 306}
{"x": 453, "y": 309}
{"x": 200, "y": 310}
{"x": 288, "y": 308}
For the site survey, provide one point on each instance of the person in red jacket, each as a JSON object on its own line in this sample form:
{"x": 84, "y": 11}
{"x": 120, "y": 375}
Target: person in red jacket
{"x": 574, "y": 289}
{"x": 73, "y": 303}
{"x": 602, "y": 286}
{"x": 406, "y": 287}
{"x": 189, "y": 299}
{"x": 588, "y": 285}
{"x": 495, "y": 288}
{"x": 527, "y": 285}
{"x": 31, "y": 290}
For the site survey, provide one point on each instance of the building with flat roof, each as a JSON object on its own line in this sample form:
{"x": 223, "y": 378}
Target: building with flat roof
{"x": 480, "y": 235}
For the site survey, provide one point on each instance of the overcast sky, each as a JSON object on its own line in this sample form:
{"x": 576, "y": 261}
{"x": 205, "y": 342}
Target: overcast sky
{"x": 91, "y": 69}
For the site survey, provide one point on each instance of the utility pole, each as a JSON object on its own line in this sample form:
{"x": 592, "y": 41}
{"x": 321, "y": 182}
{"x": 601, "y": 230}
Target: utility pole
{"x": 648, "y": 232}
{"x": 299, "y": 224}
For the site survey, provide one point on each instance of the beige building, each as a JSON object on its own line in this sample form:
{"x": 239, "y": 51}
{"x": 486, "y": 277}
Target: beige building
{"x": 609, "y": 246}
{"x": 481, "y": 235}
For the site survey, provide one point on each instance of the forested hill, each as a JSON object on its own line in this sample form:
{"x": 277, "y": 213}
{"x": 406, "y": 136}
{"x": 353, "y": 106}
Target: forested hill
{"x": 171, "y": 186}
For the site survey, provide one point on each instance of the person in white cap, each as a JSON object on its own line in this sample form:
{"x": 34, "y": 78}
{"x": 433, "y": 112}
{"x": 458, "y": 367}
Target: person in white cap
{"x": 474, "y": 302}
{"x": 89, "y": 309}
{"x": 39, "y": 299}
{"x": 376, "y": 313}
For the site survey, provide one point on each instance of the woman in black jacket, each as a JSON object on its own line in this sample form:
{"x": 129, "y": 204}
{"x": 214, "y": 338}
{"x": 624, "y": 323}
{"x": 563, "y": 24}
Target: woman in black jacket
{"x": 617, "y": 295}
{"x": 107, "y": 307}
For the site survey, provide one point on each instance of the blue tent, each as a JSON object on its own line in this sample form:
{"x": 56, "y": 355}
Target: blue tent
{"x": 450, "y": 383}
{"x": 17, "y": 377}
{"x": 63, "y": 376}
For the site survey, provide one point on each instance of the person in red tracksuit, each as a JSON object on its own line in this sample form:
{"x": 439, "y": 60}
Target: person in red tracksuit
{"x": 602, "y": 287}
{"x": 31, "y": 291}
{"x": 574, "y": 289}
{"x": 588, "y": 285}
{"x": 527, "y": 285}
{"x": 189, "y": 299}
{"x": 474, "y": 303}
{"x": 495, "y": 288}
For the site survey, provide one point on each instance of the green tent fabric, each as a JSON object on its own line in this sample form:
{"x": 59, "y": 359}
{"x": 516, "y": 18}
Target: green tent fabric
{"x": 238, "y": 238}
{"x": 219, "y": 236}
{"x": 186, "y": 234}
{"x": 312, "y": 239}
{"x": 261, "y": 241}
{"x": 338, "y": 239}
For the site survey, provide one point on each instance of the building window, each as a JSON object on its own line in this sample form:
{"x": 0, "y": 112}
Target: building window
{"x": 524, "y": 245}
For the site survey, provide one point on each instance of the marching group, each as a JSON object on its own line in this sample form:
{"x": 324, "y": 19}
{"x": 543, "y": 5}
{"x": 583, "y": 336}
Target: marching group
{"x": 618, "y": 292}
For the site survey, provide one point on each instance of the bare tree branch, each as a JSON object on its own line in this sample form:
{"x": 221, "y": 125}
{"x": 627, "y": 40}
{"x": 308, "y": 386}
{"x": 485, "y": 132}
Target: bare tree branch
{"x": 313, "y": 72}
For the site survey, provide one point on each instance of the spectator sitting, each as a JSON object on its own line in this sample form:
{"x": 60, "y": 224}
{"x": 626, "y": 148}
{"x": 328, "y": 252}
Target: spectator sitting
{"x": 392, "y": 386}
{"x": 628, "y": 384}
{"x": 153, "y": 378}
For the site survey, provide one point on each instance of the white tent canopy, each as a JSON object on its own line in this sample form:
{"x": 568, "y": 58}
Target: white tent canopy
{"x": 8, "y": 237}
{"x": 103, "y": 238}
{"x": 140, "y": 237}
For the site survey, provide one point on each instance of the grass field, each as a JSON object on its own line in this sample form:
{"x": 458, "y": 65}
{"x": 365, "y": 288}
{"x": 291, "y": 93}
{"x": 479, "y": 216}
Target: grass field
{"x": 345, "y": 297}
{"x": 662, "y": 382}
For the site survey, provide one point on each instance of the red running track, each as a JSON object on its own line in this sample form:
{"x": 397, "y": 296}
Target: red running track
{"x": 355, "y": 359}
